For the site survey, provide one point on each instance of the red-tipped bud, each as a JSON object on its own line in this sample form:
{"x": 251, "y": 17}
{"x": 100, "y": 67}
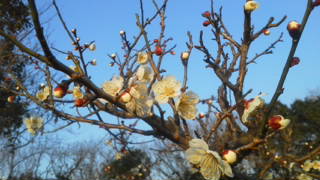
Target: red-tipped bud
{"x": 266, "y": 32}
{"x": 156, "y": 41}
{"x": 11, "y": 99}
{"x": 59, "y": 91}
{"x": 278, "y": 122}
{"x": 230, "y": 156}
{"x": 206, "y": 14}
{"x": 316, "y": 3}
{"x": 201, "y": 115}
{"x": 80, "y": 102}
{"x": 294, "y": 29}
{"x": 206, "y": 23}
{"x": 295, "y": 61}
{"x": 173, "y": 53}
{"x": 158, "y": 51}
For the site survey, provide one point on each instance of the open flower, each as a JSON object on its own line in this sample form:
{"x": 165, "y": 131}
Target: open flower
{"x": 114, "y": 86}
{"x": 251, "y": 6}
{"x": 210, "y": 163}
{"x": 187, "y": 105}
{"x": 140, "y": 102}
{"x": 167, "y": 88}
{"x": 142, "y": 58}
{"x": 316, "y": 165}
{"x": 304, "y": 177}
{"x": 307, "y": 165}
{"x": 77, "y": 94}
{"x": 43, "y": 94}
{"x": 144, "y": 74}
{"x": 250, "y": 106}
{"x": 33, "y": 124}
{"x": 278, "y": 122}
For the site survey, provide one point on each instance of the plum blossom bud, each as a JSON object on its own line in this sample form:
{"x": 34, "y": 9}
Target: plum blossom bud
{"x": 42, "y": 85}
{"x": 266, "y": 32}
{"x": 206, "y": 14}
{"x": 158, "y": 51}
{"x": 185, "y": 56}
{"x": 59, "y": 92}
{"x": 92, "y": 47}
{"x": 251, "y": 6}
{"x": 295, "y": 61}
{"x": 201, "y": 115}
{"x": 294, "y": 29}
{"x": 316, "y": 3}
{"x": 278, "y": 122}
{"x": 11, "y": 99}
{"x": 113, "y": 55}
{"x": 80, "y": 102}
{"x": 206, "y": 23}
{"x": 74, "y": 31}
{"x": 125, "y": 97}
{"x": 230, "y": 156}
{"x": 78, "y": 39}
{"x": 122, "y": 32}
{"x": 93, "y": 62}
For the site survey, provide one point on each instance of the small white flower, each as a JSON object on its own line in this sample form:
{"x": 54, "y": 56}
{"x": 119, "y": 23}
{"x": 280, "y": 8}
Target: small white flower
{"x": 250, "y": 106}
{"x": 251, "y": 6}
{"x": 304, "y": 177}
{"x": 187, "y": 105}
{"x": 210, "y": 163}
{"x": 114, "y": 86}
{"x": 316, "y": 165}
{"x": 144, "y": 74}
{"x": 142, "y": 57}
{"x": 33, "y": 124}
{"x": 77, "y": 94}
{"x": 113, "y": 55}
{"x": 307, "y": 166}
{"x": 167, "y": 88}
{"x": 92, "y": 47}
{"x": 140, "y": 102}
{"x": 43, "y": 94}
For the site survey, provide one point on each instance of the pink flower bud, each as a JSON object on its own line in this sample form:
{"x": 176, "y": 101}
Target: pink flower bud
{"x": 59, "y": 91}
{"x": 11, "y": 99}
{"x": 206, "y": 14}
{"x": 295, "y": 61}
{"x": 206, "y": 23}
{"x": 278, "y": 122}
{"x": 266, "y": 32}
{"x": 294, "y": 29}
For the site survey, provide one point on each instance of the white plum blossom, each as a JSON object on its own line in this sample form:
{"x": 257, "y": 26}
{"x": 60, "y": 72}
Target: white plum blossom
{"x": 77, "y": 94}
{"x": 166, "y": 88}
{"x": 114, "y": 86}
{"x": 33, "y": 124}
{"x": 142, "y": 57}
{"x": 187, "y": 105}
{"x": 43, "y": 94}
{"x": 144, "y": 74}
{"x": 212, "y": 167}
{"x": 250, "y": 106}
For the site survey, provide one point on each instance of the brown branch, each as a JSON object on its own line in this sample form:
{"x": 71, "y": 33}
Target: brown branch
{"x": 286, "y": 68}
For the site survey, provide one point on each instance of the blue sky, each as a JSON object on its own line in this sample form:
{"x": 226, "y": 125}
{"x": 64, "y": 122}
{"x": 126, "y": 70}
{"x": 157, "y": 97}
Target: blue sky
{"x": 101, "y": 21}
